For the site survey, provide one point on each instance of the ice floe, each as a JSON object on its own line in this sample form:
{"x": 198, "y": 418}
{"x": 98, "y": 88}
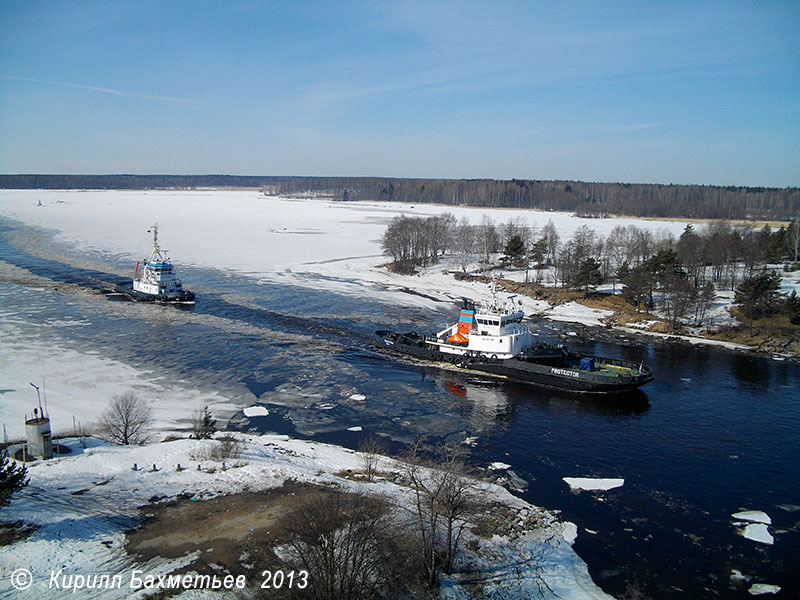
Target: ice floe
{"x": 758, "y": 533}
{"x": 593, "y": 484}
{"x": 763, "y": 588}
{"x": 738, "y": 577}
{"x": 358, "y": 397}
{"x": 754, "y": 516}
{"x": 255, "y": 411}
{"x": 355, "y": 428}
{"x": 753, "y": 525}
{"x": 499, "y": 466}
{"x": 569, "y": 531}
{"x": 516, "y": 482}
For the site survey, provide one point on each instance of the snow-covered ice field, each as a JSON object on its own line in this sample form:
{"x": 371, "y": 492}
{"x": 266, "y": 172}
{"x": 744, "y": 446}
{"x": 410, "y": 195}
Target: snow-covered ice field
{"x": 314, "y": 242}
{"x": 307, "y": 242}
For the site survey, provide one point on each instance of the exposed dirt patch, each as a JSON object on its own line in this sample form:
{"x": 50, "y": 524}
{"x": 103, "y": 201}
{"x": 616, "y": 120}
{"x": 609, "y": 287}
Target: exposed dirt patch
{"x": 14, "y": 531}
{"x": 774, "y": 334}
{"x": 222, "y": 529}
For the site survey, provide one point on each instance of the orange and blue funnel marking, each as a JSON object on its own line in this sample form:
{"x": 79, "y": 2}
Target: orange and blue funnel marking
{"x": 465, "y": 322}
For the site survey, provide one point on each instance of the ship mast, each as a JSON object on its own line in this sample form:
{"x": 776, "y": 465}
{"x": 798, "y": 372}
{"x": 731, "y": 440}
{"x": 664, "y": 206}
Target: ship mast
{"x": 156, "y": 254}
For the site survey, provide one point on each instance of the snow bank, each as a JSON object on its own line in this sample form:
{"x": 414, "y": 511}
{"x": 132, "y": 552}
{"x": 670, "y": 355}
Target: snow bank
{"x": 593, "y": 484}
{"x": 569, "y": 531}
{"x": 578, "y": 313}
{"x": 83, "y": 503}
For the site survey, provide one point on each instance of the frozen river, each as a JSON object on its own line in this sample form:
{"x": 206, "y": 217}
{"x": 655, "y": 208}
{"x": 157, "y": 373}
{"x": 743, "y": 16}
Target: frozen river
{"x": 716, "y": 433}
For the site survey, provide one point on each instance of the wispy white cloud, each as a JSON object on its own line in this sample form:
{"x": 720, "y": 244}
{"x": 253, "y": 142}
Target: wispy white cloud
{"x": 443, "y": 78}
{"x": 634, "y": 127}
{"x": 318, "y": 102}
{"x": 111, "y": 91}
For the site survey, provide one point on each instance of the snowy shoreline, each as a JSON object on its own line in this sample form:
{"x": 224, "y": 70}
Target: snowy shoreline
{"x": 98, "y": 495}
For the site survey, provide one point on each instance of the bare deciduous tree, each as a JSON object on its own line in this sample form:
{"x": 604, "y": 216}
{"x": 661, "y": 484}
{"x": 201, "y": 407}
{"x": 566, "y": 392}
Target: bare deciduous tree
{"x": 127, "y": 420}
{"x": 551, "y": 240}
{"x": 228, "y": 448}
{"x": 487, "y": 237}
{"x": 678, "y": 297}
{"x": 456, "y": 499}
{"x": 414, "y": 241}
{"x": 464, "y": 242}
{"x": 371, "y": 449}
{"x": 349, "y": 544}
{"x": 703, "y": 303}
{"x": 793, "y": 239}
{"x": 444, "y": 495}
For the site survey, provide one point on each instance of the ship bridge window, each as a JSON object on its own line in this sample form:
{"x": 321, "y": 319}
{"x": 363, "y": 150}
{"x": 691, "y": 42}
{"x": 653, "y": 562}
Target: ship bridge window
{"x": 494, "y": 322}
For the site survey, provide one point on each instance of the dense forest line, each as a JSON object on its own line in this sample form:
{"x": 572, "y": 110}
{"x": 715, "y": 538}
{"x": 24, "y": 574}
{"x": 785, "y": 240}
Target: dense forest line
{"x": 585, "y": 198}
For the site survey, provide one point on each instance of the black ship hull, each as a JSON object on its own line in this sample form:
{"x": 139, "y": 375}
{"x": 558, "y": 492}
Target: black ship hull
{"x": 544, "y": 366}
{"x": 182, "y": 297}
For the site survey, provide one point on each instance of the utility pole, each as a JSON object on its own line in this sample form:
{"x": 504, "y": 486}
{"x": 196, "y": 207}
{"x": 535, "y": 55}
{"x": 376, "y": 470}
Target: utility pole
{"x": 38, "y": 395}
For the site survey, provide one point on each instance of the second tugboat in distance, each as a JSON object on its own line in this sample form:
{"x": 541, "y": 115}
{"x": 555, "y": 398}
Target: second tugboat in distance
{"x": 156, "y": 282}
{"x": 493, "y": 340}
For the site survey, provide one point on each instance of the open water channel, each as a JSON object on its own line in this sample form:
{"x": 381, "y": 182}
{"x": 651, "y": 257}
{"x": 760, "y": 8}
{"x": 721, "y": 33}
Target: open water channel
{"x": 717, "y": 432}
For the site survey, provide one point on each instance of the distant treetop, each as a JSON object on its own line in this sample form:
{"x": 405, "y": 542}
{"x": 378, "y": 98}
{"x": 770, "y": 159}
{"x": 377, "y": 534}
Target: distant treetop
{"x": 584, "y": 198}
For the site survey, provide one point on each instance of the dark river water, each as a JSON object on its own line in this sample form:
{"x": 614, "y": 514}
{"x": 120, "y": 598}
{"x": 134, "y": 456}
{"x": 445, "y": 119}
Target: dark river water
{"x": 716, "y": 432}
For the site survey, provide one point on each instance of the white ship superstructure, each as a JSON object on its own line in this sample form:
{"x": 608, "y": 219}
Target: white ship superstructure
{"x": 493, "y": 330}
{"x": 157, "y": 280}
{"x": 157, "y": 277}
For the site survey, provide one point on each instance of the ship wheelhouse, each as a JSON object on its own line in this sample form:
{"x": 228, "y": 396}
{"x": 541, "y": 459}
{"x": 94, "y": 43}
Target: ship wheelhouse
{"x": 157, "y": 277}
{"x": 494, "y": 330}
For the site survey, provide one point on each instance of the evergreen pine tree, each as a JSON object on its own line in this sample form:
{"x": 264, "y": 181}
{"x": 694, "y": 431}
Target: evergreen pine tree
{"x": 13, "y": 477}
{"x": 757, "y": 295}
{"x": 588, "y": 275}
{"x": 514, "y": 250}
{"x": 208, "y": 425}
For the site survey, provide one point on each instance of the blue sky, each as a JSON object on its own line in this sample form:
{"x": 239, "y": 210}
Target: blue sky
{"x": 666, "y": 92}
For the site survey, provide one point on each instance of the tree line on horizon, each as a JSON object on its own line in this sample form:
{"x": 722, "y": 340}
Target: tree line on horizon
{"x": 584, "y": 198}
